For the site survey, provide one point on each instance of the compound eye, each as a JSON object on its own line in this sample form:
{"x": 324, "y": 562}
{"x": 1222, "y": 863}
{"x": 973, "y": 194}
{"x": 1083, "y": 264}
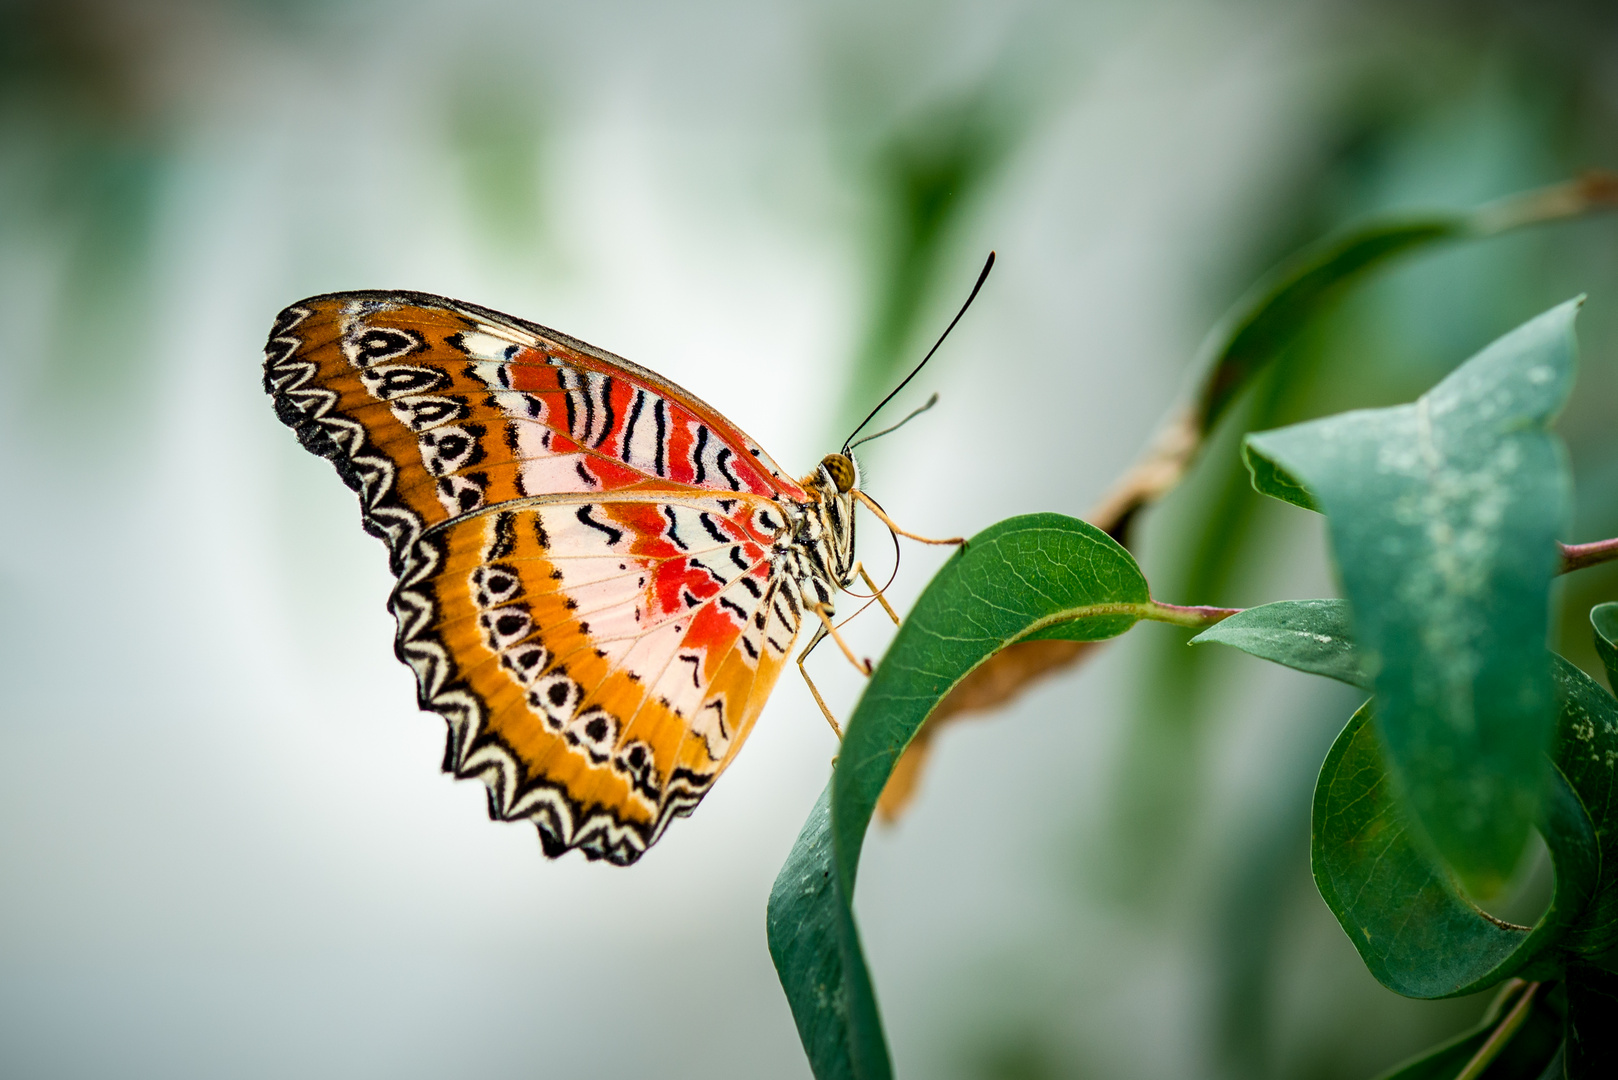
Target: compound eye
{"x": 841, "y": 471}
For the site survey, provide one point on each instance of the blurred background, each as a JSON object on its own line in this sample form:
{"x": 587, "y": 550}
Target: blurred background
{"x": 225, "y": 846}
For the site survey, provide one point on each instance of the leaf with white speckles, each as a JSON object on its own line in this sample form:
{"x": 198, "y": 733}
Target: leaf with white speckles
{"x": 1444, "y": 516}
{"x": 1309, "y": 635}
{"x": 1370, "y": 873}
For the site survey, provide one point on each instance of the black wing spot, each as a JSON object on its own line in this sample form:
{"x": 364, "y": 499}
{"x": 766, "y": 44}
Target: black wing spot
{"x": 392, "y": 382}
{"x": 741, "y": 613}
{"x": 713, "y": 530}
{"x": 696, "y": 669}
{"x": 718, "y": 706}
{"x": 700, "y": 469}
{"x": 613, "y": 535}
{"x": 505, "y": 539}
{"x": 668, "y": 513}
{"x": 660, "y": 414}
{"x": 380, "y": 343}
{"x": 720, "y": 458}
{"x": 606, "y": 408}
{"x": 629, "y": 425}
{"x": 584, "y": 475}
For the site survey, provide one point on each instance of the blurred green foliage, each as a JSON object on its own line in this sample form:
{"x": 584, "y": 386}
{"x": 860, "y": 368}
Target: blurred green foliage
{"x": 1435, "y": 103}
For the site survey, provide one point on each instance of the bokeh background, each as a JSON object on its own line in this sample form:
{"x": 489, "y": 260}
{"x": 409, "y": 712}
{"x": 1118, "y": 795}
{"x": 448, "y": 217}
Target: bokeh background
{"x": 225, "y": 847}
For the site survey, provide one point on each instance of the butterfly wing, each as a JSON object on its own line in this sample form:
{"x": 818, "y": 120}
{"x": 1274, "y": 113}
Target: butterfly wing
{"x": 589, "y": 589}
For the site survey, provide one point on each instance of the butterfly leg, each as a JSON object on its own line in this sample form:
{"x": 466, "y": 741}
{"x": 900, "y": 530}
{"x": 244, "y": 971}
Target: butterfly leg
{"x": 824, "y": 711}
{"x": 870, "y": 504}
{"x": 883, "y": 600}
{"x": 827, "y": 627}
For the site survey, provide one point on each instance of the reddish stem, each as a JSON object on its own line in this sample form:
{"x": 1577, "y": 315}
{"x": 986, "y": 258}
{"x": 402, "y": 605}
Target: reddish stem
{"x": 1578, "y": 556}
{"x": 1195, "y": 617}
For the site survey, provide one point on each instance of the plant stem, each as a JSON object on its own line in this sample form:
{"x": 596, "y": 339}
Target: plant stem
{"x": 1197, "y": 618}
{"x": 1591, "y": 191}
{"x": 1578, "y": 556}
{"x": 1499, "y": 1036}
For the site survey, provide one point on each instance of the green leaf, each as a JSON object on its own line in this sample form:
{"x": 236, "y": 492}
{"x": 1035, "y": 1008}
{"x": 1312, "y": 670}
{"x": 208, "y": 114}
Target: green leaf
{"x": 1586, "y": 745}
{"x": 1416, "y": 932}
{"x": 1043, "y": 576}
{"x": 1309, "y": 635}
{"x": 1446, "y": 1060}
{"x": 1271, "y": 479}
{"x": 1604, "y": 621}
{"x": 815, "y": 947}
{"x": 1267, "y": 319}
{"x": 1587, "y": 754}
{"x": 1444, "y": 515}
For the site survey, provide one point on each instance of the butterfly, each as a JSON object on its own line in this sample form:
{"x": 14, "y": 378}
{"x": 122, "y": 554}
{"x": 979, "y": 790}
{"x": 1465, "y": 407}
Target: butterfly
{"x": 599, "y": 577}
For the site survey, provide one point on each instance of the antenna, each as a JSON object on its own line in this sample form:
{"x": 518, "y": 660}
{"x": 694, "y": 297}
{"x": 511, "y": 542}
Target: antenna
{"x": 895, "y": 427}
{"x": 983, "y": 276}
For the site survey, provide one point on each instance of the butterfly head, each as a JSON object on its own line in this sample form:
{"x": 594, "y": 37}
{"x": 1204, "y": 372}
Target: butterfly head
{"x": 841, "y": 470}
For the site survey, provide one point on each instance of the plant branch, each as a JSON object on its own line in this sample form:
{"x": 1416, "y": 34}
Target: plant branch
{"x": 1196, "y": 618}
{"x": 1283, "y": 303}
{"x": 1586, "y": 193}
{"x": 1578, "y": 556}
{"x": 1499, "y": 1036}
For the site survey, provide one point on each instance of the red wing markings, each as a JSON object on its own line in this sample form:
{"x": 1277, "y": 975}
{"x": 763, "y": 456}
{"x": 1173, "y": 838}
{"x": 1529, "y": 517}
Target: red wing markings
{"x": 604, "y": 416}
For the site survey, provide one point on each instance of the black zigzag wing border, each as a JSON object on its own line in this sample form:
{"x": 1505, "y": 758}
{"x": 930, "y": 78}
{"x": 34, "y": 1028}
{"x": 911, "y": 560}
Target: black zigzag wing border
{"x": 470, "y": 751}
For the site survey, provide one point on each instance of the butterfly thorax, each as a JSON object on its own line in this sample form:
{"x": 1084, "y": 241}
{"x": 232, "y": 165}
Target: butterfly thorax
{"x": 822, "y": 529}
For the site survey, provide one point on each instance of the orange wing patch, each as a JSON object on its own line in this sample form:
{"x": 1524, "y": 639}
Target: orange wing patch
{"x": 591, "y": 589}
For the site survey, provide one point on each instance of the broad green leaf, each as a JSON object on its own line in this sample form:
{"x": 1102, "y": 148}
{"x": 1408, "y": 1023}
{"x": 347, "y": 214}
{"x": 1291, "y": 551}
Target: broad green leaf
{"x": 1444, "y": 515}
{"x": 1309, "y": 635}
{"x": 1604, "y": 621}
{"x": 811, "y": 932}
{"x": 1039, "y": 577}
{"x": 1416, "y": 932}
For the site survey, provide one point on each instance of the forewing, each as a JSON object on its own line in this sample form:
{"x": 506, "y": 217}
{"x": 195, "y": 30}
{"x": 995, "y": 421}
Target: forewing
{"x": 582, "y": 548}
{"x": 432, "y": 408}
